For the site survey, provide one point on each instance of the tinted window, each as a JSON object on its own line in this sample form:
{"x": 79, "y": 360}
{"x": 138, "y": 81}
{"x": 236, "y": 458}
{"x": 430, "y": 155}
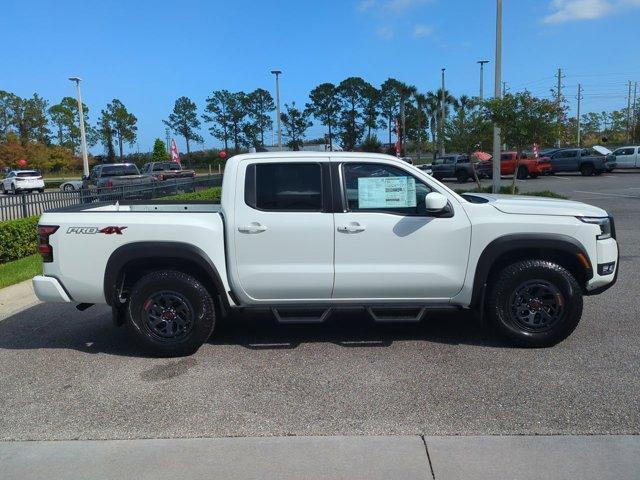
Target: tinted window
{"x": 568, "y": 154}
{"x": 506, "y": 156}
{"x": 284, "y": 187}
{"x": 118, "y": 170}
{"x": 27, "y": 174}
{"x": 378, "y": 187}
{"x": 624, "y": 151}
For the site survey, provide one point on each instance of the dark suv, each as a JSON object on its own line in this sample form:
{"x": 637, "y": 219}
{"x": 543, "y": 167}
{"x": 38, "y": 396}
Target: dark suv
{"x": 584, "y": 160}
{"x": 456, "y": 166}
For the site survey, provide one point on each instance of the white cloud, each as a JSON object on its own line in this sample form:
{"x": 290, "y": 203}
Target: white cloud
{"x": 571, "y": 10}
{"x": 366, "y": 5}
{"x": 385, "y": 32}
{"x": 420, "y": 31}
{"x": 401, "y": 6}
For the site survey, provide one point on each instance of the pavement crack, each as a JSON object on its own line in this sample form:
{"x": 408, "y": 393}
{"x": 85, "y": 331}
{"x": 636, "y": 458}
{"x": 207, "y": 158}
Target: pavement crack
{"x": 426, "y": 449}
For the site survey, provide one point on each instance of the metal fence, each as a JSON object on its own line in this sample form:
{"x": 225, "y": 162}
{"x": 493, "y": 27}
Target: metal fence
{"x": 26, "y": 205}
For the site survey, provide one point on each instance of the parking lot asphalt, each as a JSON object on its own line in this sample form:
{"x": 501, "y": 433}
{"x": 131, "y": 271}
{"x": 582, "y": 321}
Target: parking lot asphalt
{"x": 72, "y": 375}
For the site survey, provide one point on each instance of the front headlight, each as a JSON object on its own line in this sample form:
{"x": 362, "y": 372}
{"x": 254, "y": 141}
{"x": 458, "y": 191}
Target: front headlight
{"x": 603, "y": 222}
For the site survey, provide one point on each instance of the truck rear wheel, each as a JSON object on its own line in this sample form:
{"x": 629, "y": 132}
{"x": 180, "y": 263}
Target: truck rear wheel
{"x": 535, "y": 303}
{"x": 586, "y": 169}
{"x": 462, "y": 176}
{"x": 171, "y": 312}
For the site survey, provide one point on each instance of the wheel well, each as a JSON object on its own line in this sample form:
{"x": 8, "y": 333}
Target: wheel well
{"x": 565, "y": 259}
{"x": 135, "y": 269}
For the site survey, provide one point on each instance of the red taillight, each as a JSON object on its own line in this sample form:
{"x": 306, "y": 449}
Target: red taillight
{"x": 44, "y": 232}
{"x": 109, "y": 184}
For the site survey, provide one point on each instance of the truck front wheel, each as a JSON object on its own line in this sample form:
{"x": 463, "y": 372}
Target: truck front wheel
{"x": 171, "y": 312}
{"x": 535, "y": 303}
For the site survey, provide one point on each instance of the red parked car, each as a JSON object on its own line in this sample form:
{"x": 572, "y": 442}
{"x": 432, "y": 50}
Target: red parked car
{"x": 529, "y": 165}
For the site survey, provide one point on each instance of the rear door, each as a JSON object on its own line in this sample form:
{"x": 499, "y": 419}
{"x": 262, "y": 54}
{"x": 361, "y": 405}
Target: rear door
{"x": 387, "y": 247}
{"x": 283, "y": 230}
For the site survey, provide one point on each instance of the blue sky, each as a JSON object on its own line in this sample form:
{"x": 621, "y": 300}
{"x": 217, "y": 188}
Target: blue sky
{"x": 148, "y": 53}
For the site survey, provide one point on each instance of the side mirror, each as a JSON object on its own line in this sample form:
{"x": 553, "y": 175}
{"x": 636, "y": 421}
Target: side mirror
{"x": 435, "y": 202}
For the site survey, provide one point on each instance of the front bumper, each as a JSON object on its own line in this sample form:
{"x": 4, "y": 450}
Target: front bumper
{"x": 49, "y": 289}
{"x": 607, "y": 252}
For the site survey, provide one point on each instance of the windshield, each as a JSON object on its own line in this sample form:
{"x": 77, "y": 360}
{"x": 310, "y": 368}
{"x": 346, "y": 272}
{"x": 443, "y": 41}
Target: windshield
{"x": 119, "y": 170}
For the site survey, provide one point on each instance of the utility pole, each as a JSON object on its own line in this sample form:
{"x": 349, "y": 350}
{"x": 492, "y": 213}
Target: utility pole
{"x": 635, "y": 113}
{"x": 442, "y": 115}
{"x": 498, "y": 80}
{"x": 277, "y": 74}
{"x": 579, "y": 97}
{"x": 83, "y": 136}
{"x": 482, "y": 64}
{"x": 629, "y": 114}
{"x": 559, "y": 102}
{"x": 168, "y": 137}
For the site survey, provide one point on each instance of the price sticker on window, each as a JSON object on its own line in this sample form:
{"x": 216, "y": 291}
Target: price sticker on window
{"x": 386, "y": 192}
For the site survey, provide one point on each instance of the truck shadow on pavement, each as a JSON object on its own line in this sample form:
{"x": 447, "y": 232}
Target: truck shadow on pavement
{"x": 63, "y": 327}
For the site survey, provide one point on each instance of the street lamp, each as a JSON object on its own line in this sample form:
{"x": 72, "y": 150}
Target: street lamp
{"x": 482, "y": 64}
{"x": 83, "y": 137}
{"x": 498, "y": 94}
{"x": 277, "y": 74}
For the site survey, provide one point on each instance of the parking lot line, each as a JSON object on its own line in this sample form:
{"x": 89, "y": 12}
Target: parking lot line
{"x": 606, "y": 194}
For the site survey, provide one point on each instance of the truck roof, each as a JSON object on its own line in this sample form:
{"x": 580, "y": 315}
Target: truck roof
{"x": 310, "y": 156}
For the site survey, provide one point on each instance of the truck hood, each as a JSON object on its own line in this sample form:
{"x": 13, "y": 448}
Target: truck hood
{"x": 523, "y": 205}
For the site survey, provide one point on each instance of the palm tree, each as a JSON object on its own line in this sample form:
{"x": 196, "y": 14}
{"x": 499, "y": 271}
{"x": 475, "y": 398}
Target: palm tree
{"x": 437, "y": 99}
{"x": 405, "y": 91}
{"x": 421, "y": 105}
{"x": 431, "y": 110}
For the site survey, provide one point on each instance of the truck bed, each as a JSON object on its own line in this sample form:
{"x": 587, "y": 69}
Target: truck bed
{"x": 144, "y": 206}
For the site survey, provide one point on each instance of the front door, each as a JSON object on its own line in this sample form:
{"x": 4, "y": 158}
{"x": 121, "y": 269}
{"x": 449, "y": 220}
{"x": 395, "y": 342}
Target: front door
{"x": 625, "y": 157}
{"x": 387, "y": 246}
{"x": 283, "y": 230}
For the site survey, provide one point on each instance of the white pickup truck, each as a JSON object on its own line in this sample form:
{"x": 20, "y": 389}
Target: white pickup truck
{"x": 305, "y": 234}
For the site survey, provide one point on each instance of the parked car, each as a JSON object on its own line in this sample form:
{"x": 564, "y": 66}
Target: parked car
{"x": 627, "y": 157}
{"x": 71, "y": 185}
{"x": 303, "y": 237}
{"x": 18, "y": 181}
{"x": 529, "y": 166}
{"x": 426, "y": 169}
{"x": 166, "y": 170}
{"x": 456, "y": 166}
{"x": 584, "y": 160}
{"x": 109, "y": 175}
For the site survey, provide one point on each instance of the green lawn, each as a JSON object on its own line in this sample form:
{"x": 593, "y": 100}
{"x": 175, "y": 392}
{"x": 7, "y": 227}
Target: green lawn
{"x": 20, "y": 270}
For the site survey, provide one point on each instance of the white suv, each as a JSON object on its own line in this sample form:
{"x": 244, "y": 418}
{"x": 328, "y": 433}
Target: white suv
{"x": 22, "y": 181}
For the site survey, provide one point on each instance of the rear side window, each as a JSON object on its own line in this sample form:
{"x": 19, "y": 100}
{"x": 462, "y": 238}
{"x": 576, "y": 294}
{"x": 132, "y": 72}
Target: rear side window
{"x": 284, "y": 187}
{"x": 625, "y": 151}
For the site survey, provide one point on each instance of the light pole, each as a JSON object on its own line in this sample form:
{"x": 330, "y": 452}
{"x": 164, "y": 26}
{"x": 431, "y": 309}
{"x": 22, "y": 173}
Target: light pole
{"x": 277, "y": 74}
{"x": 482, "y": 64}
{"x": 83, "y": 136}
{"x": 498, "y": 94}
{"x": 442, "y": 110}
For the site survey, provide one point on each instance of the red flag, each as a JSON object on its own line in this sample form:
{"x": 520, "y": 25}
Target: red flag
{"x": 175, "y": 156}
{"x": 398, "y": 146}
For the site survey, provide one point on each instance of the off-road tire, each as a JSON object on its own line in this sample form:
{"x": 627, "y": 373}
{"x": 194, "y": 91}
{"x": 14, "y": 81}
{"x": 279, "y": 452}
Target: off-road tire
{"x": 502, "y": 312}
{"x": 197, "y": 300}
{"x": 522, "y": 173}
{"x": 587, "y": 169}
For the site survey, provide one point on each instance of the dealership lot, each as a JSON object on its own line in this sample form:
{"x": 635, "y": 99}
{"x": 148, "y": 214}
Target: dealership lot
{"x": 71, "y": 375}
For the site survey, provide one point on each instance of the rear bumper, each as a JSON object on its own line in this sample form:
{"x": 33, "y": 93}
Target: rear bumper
{"x": 49, "y": 289}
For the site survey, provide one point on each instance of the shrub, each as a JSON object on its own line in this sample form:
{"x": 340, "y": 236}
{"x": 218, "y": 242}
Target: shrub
{"x": 208, "y": 194}
{"x": 503, "y": 190}
{"x": 18, "y": 238}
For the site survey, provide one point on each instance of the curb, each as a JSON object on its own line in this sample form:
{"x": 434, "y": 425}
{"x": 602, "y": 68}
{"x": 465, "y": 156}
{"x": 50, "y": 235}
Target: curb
{"x": 16, "y": 298}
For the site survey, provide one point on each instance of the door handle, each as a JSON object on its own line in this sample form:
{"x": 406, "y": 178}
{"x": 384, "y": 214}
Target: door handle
{"x": 353, "y": 227}
{"x": 253, "y": 227}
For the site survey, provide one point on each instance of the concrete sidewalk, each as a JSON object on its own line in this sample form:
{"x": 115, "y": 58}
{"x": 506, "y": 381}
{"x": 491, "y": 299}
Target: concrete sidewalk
{"x": 15, "y": 298}
{"x": 353, "y": 458}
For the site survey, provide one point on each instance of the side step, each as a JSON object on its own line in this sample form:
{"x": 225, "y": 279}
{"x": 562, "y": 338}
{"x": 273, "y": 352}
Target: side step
{"x": 299, "y": 315}
{"x": 396, "y": 314}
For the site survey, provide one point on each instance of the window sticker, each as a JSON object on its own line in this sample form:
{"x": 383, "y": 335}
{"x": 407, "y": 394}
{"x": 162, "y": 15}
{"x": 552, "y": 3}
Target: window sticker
{"x": 386, "y": 192}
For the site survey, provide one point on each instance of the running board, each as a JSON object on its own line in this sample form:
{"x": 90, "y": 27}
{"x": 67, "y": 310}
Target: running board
{"x": 300, "y": 315}
{"x": 396, "y": 314}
